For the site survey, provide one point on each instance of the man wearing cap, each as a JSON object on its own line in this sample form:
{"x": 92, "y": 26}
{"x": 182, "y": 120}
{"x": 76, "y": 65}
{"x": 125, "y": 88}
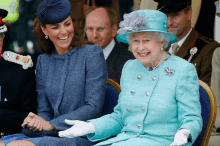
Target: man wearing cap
{"x": 191, "y": 46}
{"x": 17, "y": 87}
{"x": 101, "y": 28}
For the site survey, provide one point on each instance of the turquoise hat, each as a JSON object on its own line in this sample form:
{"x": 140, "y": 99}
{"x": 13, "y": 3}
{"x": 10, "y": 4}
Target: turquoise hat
{"x": 144, "y": 21}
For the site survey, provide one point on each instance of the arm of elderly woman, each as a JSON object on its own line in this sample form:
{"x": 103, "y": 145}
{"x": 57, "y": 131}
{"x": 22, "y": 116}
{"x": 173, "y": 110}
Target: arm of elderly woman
{"x": 114, "y": 126}
{"x": 187, "y": 96}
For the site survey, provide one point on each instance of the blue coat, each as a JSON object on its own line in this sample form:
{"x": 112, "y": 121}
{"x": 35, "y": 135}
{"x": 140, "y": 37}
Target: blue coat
{"x": 70, "y": 86}
{"x": 152, "y": 106}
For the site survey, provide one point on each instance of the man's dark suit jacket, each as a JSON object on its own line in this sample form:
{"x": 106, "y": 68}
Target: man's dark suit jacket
{"x": 203, "y": 58}
{"x": 18, "y": 96}
{"x": 116, "y": 61}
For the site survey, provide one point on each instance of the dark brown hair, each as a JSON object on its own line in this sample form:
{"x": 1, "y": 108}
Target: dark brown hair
{"x": 112, "y": 15}
{"x": 47, "y": 46}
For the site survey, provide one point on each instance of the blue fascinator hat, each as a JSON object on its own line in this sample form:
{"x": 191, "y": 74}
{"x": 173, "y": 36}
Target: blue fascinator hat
{"x": 146, "y": 20}
{"x": 53, "y": 11}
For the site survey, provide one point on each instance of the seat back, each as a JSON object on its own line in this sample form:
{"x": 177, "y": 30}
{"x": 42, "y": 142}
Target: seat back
{"x": 111, "y": 97}
{"x": 209, "y": 110}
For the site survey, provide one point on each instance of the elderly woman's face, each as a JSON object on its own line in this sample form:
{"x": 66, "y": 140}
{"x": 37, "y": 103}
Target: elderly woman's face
{"x": 145, "y": 46}
{"x": 61, "y": 34}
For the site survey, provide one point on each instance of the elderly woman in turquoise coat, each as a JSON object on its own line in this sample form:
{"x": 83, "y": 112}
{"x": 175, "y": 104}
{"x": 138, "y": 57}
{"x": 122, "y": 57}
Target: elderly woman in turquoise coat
{"x": 159, "y": 99}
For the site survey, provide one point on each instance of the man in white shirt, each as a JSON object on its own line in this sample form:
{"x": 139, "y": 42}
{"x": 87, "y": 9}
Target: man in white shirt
{"x": 101, "y": 29}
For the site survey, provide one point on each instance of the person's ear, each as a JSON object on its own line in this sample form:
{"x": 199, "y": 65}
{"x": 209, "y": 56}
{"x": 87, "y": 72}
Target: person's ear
{"x": 44, "y": 30}
{"x": 189, "y": 14}
{"x": 114, "y": 30}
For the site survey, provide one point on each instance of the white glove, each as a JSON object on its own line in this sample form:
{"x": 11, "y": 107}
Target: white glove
{"x": 79, "y": 128}
{"x": 180, "y": 137}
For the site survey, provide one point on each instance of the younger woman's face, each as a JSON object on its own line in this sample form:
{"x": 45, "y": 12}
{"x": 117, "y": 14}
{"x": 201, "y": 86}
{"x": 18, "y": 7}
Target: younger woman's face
{"x": 61, "y": 34}
{"x": 145, "y": 46}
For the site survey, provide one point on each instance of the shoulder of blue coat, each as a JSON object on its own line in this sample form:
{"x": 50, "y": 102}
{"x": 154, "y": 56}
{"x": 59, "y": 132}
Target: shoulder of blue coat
{"x": 91, "y": 48}
{"x": 43, "y": 57}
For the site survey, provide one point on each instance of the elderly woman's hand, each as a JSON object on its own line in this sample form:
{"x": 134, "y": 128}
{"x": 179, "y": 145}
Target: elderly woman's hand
{"x": 181, "y": 137}
{"x": 79, "y": 128}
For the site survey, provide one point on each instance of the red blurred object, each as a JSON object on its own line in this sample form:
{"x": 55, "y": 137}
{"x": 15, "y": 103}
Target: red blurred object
{"x": 1, "y": 54}
{"x": 113, "y": 79}
{"x": 1, "y": 20}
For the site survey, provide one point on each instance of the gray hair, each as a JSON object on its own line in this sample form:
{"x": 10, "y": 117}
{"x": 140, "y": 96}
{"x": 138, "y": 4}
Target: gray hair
{"x": 161, "y": 37}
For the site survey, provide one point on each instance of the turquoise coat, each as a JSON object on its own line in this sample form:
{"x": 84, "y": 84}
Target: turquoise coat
{"x": 152, "y": 106}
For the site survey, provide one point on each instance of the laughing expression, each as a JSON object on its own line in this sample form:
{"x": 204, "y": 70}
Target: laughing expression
{"x": 61, "y": 34}
{"x": 145, "y": 46}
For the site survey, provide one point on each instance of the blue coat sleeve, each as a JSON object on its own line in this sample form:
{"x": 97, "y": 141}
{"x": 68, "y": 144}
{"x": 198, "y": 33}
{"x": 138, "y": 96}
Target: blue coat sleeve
{"x": 187, "y": 96}
{"x": 111, "y": 124}
{"x": 44, "y": 109}
{"x": 95, "y": 88}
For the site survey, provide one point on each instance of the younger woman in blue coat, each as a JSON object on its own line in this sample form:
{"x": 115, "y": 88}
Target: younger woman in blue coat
{"x": 159, "y": 99}
{"x": 71, "y": 78}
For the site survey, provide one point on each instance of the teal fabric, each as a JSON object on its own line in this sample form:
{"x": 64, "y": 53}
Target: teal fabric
{"x": 172, "y": 104}
{"x": 153, "y": 20}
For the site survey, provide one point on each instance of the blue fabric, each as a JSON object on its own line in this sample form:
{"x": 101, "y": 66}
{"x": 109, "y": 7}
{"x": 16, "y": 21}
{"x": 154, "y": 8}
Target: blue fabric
{"x": 53, "y": 11}
{"x": 70, "y": 86}
{"x": 153, "y": 107}
{"x": 13, "y": 137}
{"x": 111, "y": 100}
{"x": 26, "y": 131}
{"x": 205, "y": 103}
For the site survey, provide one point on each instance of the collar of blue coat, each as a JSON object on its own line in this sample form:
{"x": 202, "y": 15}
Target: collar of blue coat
{"x": 63, "y": 56}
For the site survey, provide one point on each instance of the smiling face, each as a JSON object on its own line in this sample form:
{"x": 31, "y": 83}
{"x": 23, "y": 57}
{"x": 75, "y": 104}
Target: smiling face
{"x": 61, "y": 34}
{"x": 179, "y": 23}
{"x": 145, "y": 47}
{"x": 98, "y": 28}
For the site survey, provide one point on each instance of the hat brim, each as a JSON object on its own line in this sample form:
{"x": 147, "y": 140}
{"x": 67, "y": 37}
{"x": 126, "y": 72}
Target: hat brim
{"x": 3, "y": 13}
{"x": 123, "y": 37}
{"x": 171, "y": 8}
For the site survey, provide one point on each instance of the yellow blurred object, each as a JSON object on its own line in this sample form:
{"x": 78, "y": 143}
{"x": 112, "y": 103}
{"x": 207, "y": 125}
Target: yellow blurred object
{"x": 12, "y": 7}
{"x": 25, "y": 60}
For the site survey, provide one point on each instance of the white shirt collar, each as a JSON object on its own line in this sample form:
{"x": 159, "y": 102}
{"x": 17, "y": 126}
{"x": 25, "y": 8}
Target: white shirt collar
{"x": 108, "y": 49}
{"x": 180, "y": 42}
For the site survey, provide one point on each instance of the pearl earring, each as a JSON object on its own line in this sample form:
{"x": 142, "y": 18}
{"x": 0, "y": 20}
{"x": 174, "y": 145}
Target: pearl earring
{"x": 46, "y": 36}
{"x": 161, "y": 48}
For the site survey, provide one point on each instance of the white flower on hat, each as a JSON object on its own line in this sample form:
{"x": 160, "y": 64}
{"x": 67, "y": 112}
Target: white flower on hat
{"x": 132, "y": 22}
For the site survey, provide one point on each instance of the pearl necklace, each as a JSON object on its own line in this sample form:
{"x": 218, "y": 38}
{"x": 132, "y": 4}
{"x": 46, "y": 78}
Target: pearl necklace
{"x": 155, "y": 67}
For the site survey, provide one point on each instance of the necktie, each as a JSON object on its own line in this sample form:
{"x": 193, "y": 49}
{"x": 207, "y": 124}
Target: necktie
{"x": 174, "y": 48}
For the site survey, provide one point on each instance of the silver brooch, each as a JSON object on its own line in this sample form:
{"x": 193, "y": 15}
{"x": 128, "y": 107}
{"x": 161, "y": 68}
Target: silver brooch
{"x": 192, "y": 52}
{"x": 169, "y": 71}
